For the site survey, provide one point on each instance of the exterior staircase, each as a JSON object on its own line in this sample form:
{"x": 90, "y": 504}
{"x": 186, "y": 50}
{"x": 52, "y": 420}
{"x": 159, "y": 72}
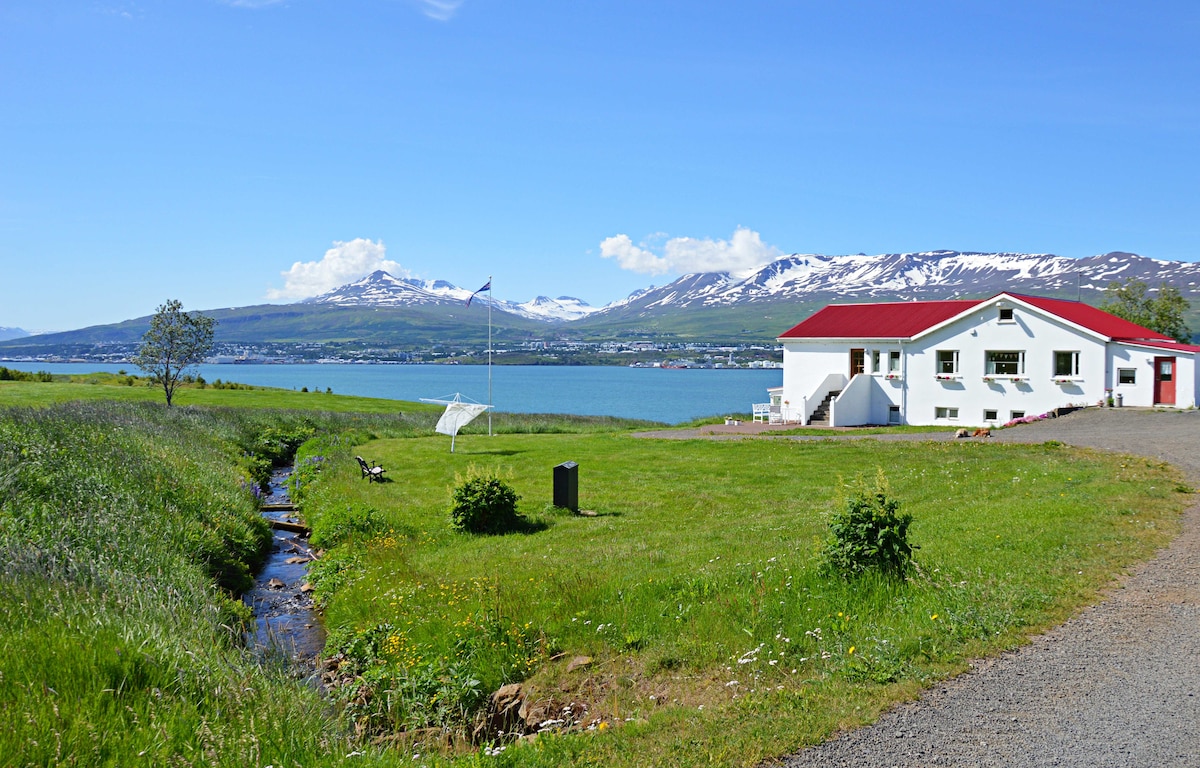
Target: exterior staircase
{"x": 820, "y": 415}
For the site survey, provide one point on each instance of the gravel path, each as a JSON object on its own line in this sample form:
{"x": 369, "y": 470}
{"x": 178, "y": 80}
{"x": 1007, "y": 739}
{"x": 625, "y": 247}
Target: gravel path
{"x": 1118, "y": 685}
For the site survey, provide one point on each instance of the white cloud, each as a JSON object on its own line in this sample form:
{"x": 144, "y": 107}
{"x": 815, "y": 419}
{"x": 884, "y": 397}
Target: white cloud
{"x": 631, "y": 257}
{"x": 343, "y": 263}
{"x": 442, "y": 10}
{"x": 682, "y": 255}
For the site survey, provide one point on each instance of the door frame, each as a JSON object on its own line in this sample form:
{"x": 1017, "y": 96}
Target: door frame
{"x": 1162, "y": 392}
{"x": 862, "y": 361}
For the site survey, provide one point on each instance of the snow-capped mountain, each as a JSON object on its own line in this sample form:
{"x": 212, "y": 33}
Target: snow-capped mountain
{"x": 381, "y": 289}
{"x": 930, "y": 275}
{"x": 810, "y": 277}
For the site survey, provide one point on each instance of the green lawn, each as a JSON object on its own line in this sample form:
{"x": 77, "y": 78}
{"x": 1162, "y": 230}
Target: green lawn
{"x": 692, "y": 587}
{"x": 106, "y": 387}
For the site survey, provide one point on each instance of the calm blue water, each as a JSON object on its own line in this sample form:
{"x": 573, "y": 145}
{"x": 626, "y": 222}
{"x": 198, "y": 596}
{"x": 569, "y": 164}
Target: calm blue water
{"x": 667, "y": 395}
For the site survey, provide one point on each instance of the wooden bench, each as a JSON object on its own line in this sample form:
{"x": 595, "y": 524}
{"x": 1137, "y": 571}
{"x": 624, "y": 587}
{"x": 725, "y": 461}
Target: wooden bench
{"x": 373, "y": 472}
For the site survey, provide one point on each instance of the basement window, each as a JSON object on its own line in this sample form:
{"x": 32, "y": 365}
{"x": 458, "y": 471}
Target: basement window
{"x": 942, "y": 412}
{"x": 991, "y": 414}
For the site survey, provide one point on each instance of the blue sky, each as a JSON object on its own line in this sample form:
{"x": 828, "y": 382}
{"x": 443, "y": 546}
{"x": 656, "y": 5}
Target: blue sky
{"x": 230, "y": 153}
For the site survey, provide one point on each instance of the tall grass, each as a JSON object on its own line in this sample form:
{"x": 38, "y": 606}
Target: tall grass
{"x": 123, "y": 531}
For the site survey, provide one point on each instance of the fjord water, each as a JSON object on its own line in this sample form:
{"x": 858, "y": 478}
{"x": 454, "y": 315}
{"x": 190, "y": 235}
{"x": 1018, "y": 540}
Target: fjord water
{"x": 672, "y": 395}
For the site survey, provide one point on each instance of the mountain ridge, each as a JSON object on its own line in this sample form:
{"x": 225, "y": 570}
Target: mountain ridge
{"x": 753, "y": 305}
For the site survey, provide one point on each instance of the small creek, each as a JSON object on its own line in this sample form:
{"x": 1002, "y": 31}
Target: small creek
{"x": 286, "y": 623}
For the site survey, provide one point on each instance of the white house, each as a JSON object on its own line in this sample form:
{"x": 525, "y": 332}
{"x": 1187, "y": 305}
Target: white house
{"x": 975, "y": 362}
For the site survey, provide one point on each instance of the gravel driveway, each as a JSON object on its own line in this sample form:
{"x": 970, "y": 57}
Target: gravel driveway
{"x": 1118, "y": 685}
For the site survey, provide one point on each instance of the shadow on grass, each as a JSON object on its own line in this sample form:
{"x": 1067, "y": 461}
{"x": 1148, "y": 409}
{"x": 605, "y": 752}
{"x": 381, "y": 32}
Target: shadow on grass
{"x": 520, "y": 525}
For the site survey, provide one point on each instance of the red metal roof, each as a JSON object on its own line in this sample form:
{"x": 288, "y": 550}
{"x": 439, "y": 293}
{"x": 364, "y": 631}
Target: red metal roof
{"x": 905, "y": 319}
{"x": 1094, "y": 319}
{"x": 1173, "y": 346}
{"x": 890, "y": 320}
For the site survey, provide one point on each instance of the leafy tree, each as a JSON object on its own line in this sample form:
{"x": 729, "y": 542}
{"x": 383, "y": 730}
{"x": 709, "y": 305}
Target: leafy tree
{"x": 176, "y": 341}
{"x": 1163, "y": 313}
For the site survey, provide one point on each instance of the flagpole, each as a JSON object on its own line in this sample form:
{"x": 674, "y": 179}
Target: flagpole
{"x": 489, "y": 355}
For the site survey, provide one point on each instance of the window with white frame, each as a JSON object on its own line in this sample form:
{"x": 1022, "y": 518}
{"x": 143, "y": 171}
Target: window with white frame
{"x": 943, "y": 412}
{"x": 1005, "y": 363}
{"x": 991, "y": 414}
{"x": 947, "y": 362}
{"x": 1066, "y": 363}
{"x": 1014, "y": 415}
{"x": 1006, "y": 315}
{"x": 876, "y": 365}
{"x": 893, "y": 414}
{"x": 1127, "y": 375}
{"x": 894, "y": 361}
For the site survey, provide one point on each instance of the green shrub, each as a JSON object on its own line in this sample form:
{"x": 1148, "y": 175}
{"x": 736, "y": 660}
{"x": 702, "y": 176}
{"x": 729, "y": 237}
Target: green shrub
{"x": 869, "y": 534}
{"x": 484, "y": 504}
{"x": 340, "y": 523}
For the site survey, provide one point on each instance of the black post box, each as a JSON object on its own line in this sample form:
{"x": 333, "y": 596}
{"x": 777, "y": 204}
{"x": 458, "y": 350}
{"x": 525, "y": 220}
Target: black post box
{"x": 566, "y": 486}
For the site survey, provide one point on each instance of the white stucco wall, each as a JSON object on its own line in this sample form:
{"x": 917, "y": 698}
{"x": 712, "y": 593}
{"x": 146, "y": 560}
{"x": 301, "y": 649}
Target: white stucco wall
{"x": 1141, "y": 361}
{"x": 1035, "y": 334}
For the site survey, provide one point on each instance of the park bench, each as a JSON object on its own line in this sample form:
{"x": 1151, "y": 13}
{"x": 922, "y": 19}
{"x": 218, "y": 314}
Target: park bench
{"x": 372, "y": 472}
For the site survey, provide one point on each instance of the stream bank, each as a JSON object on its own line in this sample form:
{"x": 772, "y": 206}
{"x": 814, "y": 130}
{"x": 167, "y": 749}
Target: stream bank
{"x": 286, "y": 623}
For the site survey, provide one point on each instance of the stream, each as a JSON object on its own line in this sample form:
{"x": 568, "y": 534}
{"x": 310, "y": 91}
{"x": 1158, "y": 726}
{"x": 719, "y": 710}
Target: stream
{"x": 286, "y": 623}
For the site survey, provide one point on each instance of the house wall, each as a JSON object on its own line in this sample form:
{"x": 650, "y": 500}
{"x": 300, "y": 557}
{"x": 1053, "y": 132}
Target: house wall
{"x": 967, "y": 398}
{"x": 805, "y": 368}
{"x": 1140, "y": 360}
{"x": 1031, "y": 393}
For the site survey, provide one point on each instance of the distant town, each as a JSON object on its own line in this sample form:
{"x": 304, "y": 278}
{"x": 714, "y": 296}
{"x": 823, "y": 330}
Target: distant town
{"x": 641, "y": 354}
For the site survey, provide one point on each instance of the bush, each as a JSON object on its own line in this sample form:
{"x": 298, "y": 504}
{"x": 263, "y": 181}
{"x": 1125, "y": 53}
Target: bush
{"x": 484, "y": 504}
{"x": 869, "y": 534}
{"x": 340, "y": 523}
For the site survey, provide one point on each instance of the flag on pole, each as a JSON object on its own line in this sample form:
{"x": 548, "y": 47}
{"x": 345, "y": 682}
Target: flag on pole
{"x": 486, "y": 287}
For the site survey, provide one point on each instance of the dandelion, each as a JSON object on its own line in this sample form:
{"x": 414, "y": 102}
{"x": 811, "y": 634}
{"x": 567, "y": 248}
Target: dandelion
{"x": 851, "y": 651}
{"x": 934, "y": 617}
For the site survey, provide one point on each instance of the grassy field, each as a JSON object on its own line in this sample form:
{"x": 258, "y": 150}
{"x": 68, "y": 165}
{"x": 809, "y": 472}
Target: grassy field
{"x": 694, "y": 590}
{"x": 109, "y": 386}
{"x": 684, "y": 621}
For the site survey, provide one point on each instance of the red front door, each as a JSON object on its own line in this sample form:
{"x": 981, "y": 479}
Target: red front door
{"x": 1164, "y": 381}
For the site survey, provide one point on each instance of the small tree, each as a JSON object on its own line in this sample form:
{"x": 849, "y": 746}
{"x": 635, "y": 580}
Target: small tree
{"x": 1163, "y": 313}
{"x": 176, "y": 341}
